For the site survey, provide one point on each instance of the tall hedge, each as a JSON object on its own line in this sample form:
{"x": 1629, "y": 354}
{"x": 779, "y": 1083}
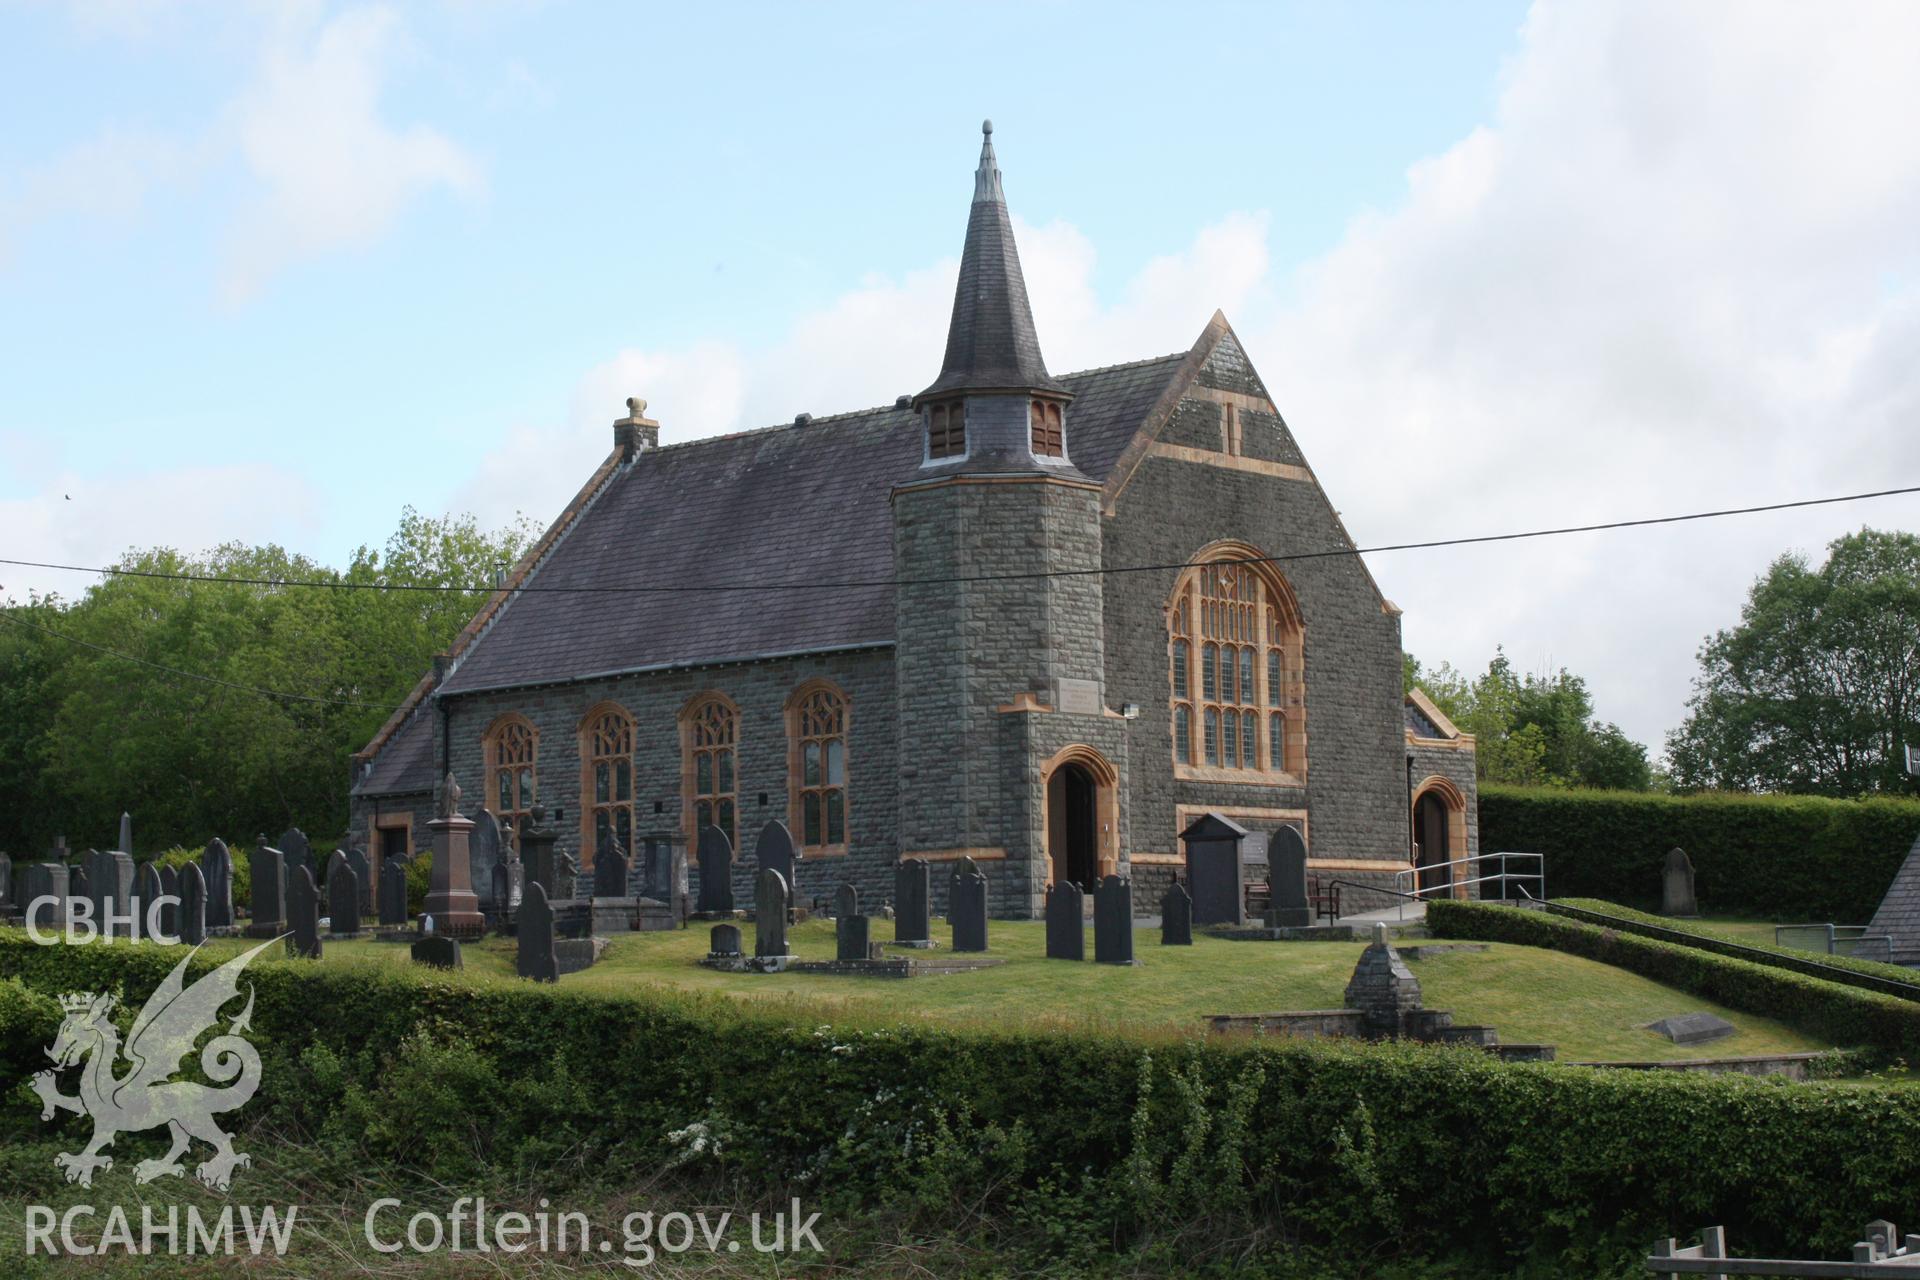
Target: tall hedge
{"x": 1803, "y": 858}
{"x": 1217, "y": 1150}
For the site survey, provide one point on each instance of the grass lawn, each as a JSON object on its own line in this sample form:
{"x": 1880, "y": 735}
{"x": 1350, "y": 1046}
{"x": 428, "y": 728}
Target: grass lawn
{"x": 1589, "y": 1010}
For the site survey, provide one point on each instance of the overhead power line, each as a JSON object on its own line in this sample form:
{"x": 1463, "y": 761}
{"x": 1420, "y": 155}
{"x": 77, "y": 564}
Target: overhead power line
{"x": 188, "y": 675}
{"x": 815, "y": 584}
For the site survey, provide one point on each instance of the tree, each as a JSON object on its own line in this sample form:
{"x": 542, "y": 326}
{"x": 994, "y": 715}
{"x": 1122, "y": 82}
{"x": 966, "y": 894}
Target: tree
{"x": 1817, "y": 690}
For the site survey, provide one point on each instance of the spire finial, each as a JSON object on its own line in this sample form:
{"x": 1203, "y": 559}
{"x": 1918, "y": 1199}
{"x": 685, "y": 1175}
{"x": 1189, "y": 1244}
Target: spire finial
{"x": 986, "y": 180}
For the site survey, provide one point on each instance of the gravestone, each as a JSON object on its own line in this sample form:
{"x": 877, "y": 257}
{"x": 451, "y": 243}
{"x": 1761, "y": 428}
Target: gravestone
{"x": 78, "y": 890}
{"x": 1113, "y": 921}
{"x": 393, "y": 891}
{"x": 716, "y": 873}
{"x": 451, "y": 901}
{"x": 967, "y": 906}
{"x": 772, "y": 899}
{"x": 849, "y": 926}
{"x": 1066, "y": 921}
{"x": 1287, "y": 871}
{"x": 1382, "y": 988}
{"x": 303, "y": 914}
{"x": 146, "y": 895}
{"x": 267, "y": 869}
{"x": 343, "y": 896}
{"x": 216, "y": 870}
{"x": 192, "y": 913}
{"x": 534, "y": 927}
{"x": 1676, "y": 886}
{"x": 126, "y": 835}
{"x": 610, "y": 871}
{"x": 1214, "y": 846}
{"x": 1693, "y": 1028}
{"x": 362, "y": 869}
{"x": 912, "y": 895}
{"x": 111, "y": 883}
{"x": 662, "y": 870}
{"x": 776, "y": 851}
{"x": 506, "y": 888}
{"x": 538, "y": 858}
{"x": 486, "y": 849}
{"x": 48, "y": 888}
{"x": 1176, "y": 917}
{"x": 170, "y": 904}
{"x": 295, "y": 851}
{"x": 7, "y": 903}
{"x": 437, "y": 951}
{"x": 723, "y": 941}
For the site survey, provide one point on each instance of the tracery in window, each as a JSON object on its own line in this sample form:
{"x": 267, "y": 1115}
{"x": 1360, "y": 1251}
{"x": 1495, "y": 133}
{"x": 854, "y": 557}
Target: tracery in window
{"x": 606, "y": 754}
{"x": 817, "y": 767}
{"x": 512, "y": 748}
{"x": 709, "y": 734}
{"x": 1236, "y": 692}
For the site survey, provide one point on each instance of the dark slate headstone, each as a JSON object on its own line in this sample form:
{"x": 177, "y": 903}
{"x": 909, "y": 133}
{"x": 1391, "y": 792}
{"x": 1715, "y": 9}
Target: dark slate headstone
{"x": 724, "y": 940}
{"x": 295, "y": 851}
{"x": 1287, "y": 863}
{"x": 662, "y": 869}
{"x": 303, "y": 914}
{"x": 967, "y": 906}
{"x": 776, "y": 851}
{"x": 192, "y": 912}
{"x": 486, "y": 849}
{"x": 538, "y": 856}
{"x": 610, "y": 871}
{"x": 1693, "y": 1028}
{"x": 216, "y": 870}
{"x": 533, "y": 925}
{"x": 393, "y": 891}
{"x": 146, "y": 897}
{"x": 1113, "y": 921}
{"x": 912, "y": 914}
{"x": 1176, "y": 917}
{"x": 849, "y": 926}
{"x": 362, "y": 869}
{"x": 1066, "y": 921}
{"x": 772, "y": 899}
{"x": 716, "y": 873}
{"x": 506, "y": 887}
{"x": 78, "y": 888}
{"x": 170, "y": 904}
{"x": 111, "y": 883}
{"x": 343, "y": 896}
{"x": 439, "y": 951}
{"x": 267, "y": 869}
{"x": 1676, "y": 886}
{"x": 48, "y": 886}
{"x": 1214, "y": 876}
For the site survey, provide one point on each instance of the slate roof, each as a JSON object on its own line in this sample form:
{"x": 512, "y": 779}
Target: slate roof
{"x": 1418, "y": 722}
{"x": 804, "y": 502}
{"x": 405, "y": 763}
{"x": 1899, "y": 914}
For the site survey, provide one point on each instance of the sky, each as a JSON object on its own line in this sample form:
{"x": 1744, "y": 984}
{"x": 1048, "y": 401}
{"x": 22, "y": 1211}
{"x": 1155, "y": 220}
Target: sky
{"x": 270, "y": 272}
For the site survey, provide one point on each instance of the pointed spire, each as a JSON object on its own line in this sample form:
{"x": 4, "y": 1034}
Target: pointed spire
{"x": 991, "y": 343}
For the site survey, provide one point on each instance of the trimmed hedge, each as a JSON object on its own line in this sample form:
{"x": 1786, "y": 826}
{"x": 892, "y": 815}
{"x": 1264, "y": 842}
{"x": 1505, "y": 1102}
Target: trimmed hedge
{"x": 1174, "y": 1153}
{"x": 1837, "y": 1014}
{"x": 1801, "y": 858}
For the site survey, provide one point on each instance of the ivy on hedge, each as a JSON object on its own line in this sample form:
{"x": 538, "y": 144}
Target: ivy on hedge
{"x": 1806, "y": 858}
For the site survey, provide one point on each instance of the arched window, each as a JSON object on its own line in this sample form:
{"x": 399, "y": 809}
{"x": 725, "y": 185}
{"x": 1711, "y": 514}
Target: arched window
{"x": 947, "y": 430}
{"x": 1237, "y": 690}
{"x": 606, "y": 761}
{"x": 709, "y": 734}
{"x": 1048, "y": 441}
{"x": 512, "y": 748}
{"x": 817, "y": 766}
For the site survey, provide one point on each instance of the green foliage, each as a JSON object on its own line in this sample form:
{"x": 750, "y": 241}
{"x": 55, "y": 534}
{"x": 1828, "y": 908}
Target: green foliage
{"x": 1533, "y": 730}
{"x": 419, "y": 881}
{"x": 1080, "y": 1148}
{"x": 237, "y": 858}
{"x": 1796, "y": 858}
{"x": 89, "y": 734}
{"x": 1817, "y": 690}
{"x": 1839, "y": 1014}
{"x": 28, "y": 1020}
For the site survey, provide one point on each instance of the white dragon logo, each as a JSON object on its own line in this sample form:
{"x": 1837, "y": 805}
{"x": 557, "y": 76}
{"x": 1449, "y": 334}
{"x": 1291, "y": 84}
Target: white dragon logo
{"x": 148, "y": 1096}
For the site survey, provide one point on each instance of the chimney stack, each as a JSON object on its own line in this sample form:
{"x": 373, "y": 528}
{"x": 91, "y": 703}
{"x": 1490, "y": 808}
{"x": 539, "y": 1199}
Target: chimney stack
{"x": 636, "y": 432}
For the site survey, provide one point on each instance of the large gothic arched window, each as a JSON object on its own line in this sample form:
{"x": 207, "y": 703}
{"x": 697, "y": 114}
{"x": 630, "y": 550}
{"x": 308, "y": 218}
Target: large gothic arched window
{"x": 709, "y": 735}
{"x": 512, "y": 749}
{"x": 606, "y": 759}
{"x": 1235, "y": 666}
{"x": 817, "y": 766}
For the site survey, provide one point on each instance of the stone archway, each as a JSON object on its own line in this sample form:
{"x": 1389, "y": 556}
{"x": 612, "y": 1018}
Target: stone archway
{"x": 1079, "y": 825}
{"x": 1440, "y": 836}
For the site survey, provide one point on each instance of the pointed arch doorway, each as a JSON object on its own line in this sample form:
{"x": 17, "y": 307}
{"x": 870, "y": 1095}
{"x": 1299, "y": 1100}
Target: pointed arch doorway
{"x": 1079, "y": 824}
{"x": 1440, "y": 836}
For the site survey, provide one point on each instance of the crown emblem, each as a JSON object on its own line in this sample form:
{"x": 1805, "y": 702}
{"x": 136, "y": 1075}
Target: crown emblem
{"x": 76, "y": 1001}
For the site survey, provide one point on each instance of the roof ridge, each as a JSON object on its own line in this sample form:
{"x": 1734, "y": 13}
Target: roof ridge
{"x": 1124, "y": 364}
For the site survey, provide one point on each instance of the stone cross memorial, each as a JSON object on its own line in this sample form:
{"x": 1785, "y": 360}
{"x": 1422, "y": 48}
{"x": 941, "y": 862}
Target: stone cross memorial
{"x": 912, "y": 895}
{"x": 216, "y": 870}
{"x": 343, "y": 896}
{"x": 849, "y": 926}
{"x": 967, "y": 906}
{"x": 771, "y": 901}
{"x": 534, "y": 930}
{"x": 1676, "y": 886}
{"x": 776, "y": 851}
{"x": 267, "y": 870}
{"x": 1176, "y": 917}
{"x": 1113, "y": 921}
{"x": 303, "y": 914}
{"x": 715, "y": 856}
{"x": 192, "y": 913}
{"x": 1287, "y": 871}
{"x": 1066, "y": 921}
